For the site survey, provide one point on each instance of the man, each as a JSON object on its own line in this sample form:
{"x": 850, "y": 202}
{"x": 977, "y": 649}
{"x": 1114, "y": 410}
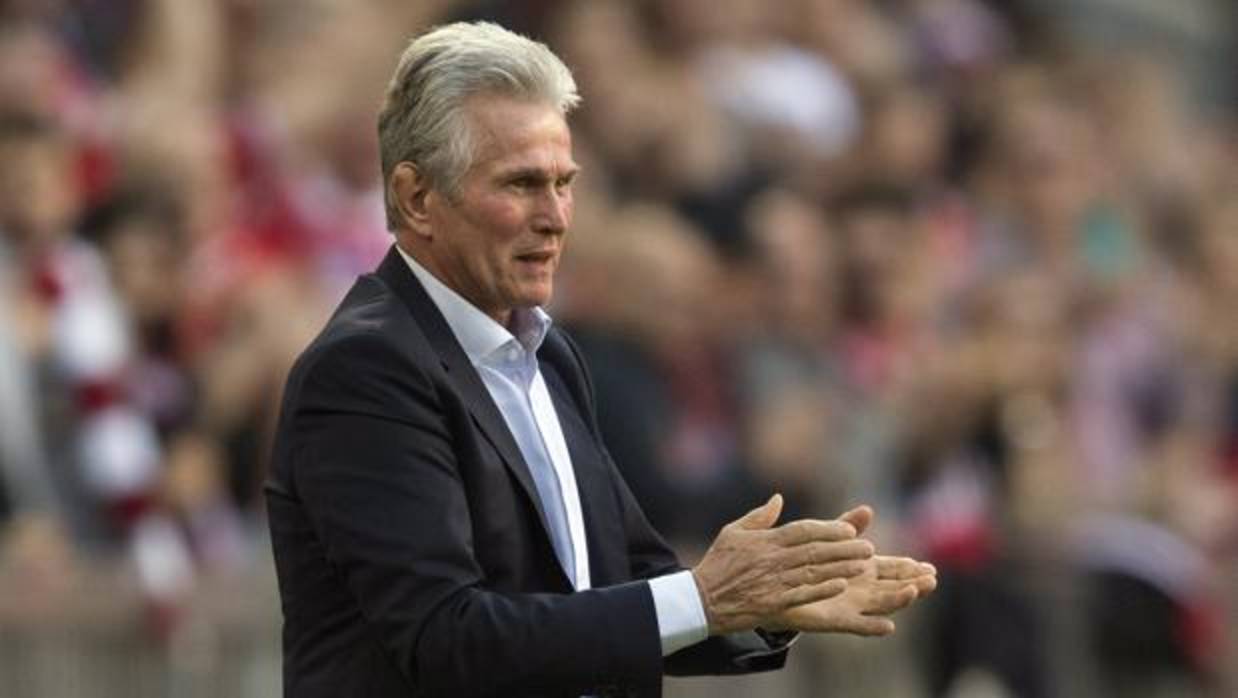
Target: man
{"x": 445, "y": 518}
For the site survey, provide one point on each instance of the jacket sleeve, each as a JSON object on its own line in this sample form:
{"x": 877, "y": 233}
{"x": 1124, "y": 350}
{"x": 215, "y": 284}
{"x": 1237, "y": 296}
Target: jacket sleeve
{"x": 734, "y": 653}
{"x": 374, "y": 465}
{"x": 650, "y": 556}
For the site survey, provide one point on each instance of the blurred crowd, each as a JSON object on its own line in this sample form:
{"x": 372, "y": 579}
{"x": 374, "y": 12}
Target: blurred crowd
{"x": 967, "y": 260}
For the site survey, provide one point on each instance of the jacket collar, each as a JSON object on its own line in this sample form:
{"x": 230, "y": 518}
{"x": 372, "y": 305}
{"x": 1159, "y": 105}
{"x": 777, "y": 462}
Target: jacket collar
{"x": 397, "y": 275}
{"x": 479, "y": 334}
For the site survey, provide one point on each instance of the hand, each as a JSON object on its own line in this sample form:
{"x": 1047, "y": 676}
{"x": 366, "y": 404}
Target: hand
{"x": 888, "y": 584}
{"x": 753, "y": 571}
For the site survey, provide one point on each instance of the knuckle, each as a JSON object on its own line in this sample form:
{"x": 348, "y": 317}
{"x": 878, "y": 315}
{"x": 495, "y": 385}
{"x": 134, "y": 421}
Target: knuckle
{"x": 847, "y": 550}
{"x": 860, "y": 549}
{"x": 828, "y": 571}
{"x": 838, "y": 551}
{"x": 828, "y": 552}
{"x": 763, "y": 571}
{"x": 798, "y": 530}
{"x": 816, "y": 553}
{"x": 787, "y": 560}
{"x": 785, "y": 581}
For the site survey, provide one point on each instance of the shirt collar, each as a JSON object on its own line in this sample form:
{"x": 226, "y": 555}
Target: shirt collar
{"x": 479, "y": 335}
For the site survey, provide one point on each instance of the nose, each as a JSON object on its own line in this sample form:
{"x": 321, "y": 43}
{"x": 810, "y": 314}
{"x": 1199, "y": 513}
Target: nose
{"x": 554, "y": 213}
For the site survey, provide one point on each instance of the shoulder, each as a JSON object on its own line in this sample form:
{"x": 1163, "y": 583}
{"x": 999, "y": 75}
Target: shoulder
{"x": 369, "y": 309}
{"x": 371, "y": 347}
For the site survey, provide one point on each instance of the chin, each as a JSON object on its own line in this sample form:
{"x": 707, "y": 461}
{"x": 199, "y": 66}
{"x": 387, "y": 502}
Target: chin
{"x": 529, "y": 290}
{"x": 535, "y": 298}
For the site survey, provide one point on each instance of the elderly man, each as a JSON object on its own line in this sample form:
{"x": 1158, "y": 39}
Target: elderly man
{"x": 445, "y": 517}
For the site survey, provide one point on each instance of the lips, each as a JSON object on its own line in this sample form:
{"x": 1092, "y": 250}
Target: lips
{"x": 537, "y": 256}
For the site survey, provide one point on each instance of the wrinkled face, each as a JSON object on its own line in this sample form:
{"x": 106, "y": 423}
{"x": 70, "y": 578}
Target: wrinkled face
{"x": 498, "y": 240}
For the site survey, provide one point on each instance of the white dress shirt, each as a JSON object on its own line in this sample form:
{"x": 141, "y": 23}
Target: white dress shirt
{"x": 507, "y": 364}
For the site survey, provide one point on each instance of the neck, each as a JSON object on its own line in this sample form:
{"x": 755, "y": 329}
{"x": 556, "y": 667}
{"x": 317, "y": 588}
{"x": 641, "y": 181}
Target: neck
{"x": 427, "y": 262}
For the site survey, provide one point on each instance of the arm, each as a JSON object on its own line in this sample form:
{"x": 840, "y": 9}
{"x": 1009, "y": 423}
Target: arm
{"x": 375, "y": 468}
{"x": 735, "y": 648}
{"x": 883, "y": 586}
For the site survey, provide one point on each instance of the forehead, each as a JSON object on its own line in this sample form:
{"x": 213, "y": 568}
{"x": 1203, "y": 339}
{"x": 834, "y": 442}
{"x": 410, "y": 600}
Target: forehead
{"x": 511, "y": 131}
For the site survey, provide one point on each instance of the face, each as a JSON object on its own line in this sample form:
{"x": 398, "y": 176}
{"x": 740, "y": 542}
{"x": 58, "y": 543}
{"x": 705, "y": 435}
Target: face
{"x": 36, "y": 206}
{"x": 497, "y": 241}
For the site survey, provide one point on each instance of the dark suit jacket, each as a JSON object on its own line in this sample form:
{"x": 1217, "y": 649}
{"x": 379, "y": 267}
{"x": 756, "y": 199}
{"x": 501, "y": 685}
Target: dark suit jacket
{"x": 409, "y": 539}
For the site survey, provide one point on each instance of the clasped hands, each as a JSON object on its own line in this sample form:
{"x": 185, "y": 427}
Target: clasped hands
{"x": 808, "y": 575}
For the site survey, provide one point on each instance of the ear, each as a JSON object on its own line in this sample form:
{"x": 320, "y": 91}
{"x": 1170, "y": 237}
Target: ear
{"x": 410, "y": 193}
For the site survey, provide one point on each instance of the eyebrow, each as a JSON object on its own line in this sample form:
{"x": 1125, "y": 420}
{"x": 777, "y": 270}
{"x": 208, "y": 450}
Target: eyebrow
{"x": 538, "y": 173}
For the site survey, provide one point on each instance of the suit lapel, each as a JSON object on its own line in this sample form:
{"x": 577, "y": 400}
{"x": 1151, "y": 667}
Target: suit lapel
{"x": 396, "y": 274}
{"x": 603, "y": 527}
{"x": 591, "y": 483}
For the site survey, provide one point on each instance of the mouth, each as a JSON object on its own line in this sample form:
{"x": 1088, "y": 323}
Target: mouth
{"x": 536, "y": 257}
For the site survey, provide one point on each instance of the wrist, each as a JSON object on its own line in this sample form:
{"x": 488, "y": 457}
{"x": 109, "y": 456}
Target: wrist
{"x": 706, "y": 606}
{"x": 774, "y": 626}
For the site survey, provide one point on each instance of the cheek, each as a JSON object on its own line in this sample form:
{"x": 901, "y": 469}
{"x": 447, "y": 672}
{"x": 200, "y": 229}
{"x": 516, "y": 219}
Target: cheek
{"x": 504, "y": 233}
{"x": 499, "y": 221}
{"x": 474, "y": 230}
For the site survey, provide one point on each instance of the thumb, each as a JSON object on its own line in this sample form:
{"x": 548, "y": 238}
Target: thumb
{"x": 763, "y": 516}
{"x": 860, "y": 517}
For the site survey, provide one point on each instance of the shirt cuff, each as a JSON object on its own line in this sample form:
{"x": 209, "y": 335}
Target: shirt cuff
{"x": 778, "y": 639}
{"x": 681, "y": 618}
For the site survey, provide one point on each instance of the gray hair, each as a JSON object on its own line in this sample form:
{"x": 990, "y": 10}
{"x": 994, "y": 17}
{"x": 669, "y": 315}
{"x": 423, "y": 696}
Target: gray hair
{"x": 422, "y": 119}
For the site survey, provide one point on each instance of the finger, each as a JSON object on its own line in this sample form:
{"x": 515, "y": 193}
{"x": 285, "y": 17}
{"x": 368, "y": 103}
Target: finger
{"x": 821, "y": 553}
{"x": 810, "y": 530}
{"x": 860, "y": 517}
{"x": 763, "y": 516}
{"x": 891, "y": 567}
{"x": 884, "y": 600}
{"x": 815, "y": 574}
{"x": 925, "y": 584}
{"x": 867, "y": 626}
{"x": 812, "y": 593}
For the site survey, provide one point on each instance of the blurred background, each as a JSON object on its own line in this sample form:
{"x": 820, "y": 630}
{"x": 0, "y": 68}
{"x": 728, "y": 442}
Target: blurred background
{"x": 974, "y": 262}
